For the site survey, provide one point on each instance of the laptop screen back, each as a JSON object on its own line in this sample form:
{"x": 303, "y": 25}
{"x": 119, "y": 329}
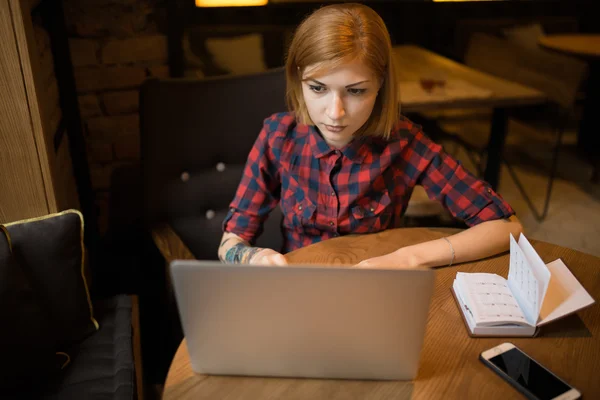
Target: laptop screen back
{"x": 303, "y": 321}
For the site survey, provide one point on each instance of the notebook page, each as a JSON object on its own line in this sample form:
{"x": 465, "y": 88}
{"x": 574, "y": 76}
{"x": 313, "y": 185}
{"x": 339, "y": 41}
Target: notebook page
{"x": 489, "y": 299}
{"x": 540, "y": 270}
{"x": 565, "y": 294}
{"x": 527, "y": 279}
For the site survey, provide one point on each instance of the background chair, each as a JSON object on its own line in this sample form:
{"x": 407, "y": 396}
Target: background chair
{"x": 559, "y": 77}
{"x": 195, "y": 140}
{"x": 534, "y": 129}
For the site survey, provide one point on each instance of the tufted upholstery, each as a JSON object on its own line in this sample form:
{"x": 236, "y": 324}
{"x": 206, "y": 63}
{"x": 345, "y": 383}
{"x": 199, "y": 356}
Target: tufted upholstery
{"x": 195, "y": 139}
{"x": 103, "y": 367}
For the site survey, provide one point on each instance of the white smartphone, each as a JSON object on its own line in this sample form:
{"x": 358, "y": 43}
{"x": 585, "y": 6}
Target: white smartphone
{"x": 526, "y": 375}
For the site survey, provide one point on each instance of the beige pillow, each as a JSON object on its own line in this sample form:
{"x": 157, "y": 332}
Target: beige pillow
{"x": 525, "y": 35}
{"x": 238, "y": 55}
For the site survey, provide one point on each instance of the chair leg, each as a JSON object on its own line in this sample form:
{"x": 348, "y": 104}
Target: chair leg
{"x": 540, "y": 216}
{"x": 478, "y": 163}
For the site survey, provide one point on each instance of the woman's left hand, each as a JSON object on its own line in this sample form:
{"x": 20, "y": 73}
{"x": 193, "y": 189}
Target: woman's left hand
{"x": 396, "y": 259}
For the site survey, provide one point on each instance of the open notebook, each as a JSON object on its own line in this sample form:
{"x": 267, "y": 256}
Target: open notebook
{"x": 533, "y": 295}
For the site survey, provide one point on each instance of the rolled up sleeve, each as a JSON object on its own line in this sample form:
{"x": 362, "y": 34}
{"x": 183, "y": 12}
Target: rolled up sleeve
{"x": 466, "y": 197}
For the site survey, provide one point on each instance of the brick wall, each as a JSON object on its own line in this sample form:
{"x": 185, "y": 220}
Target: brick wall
{"x": 115, "y": 45}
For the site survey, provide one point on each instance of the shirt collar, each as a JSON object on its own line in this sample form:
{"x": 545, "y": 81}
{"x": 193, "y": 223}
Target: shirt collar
{"x": 355, "y": 151}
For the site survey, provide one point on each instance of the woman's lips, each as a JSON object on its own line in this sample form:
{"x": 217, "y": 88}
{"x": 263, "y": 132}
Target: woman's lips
{"x": 335, "y": 128}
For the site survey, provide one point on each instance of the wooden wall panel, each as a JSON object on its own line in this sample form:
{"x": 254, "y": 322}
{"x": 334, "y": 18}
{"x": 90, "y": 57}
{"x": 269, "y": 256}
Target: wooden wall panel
{"x": 36, "y": 93}
{"x": 22, "y": 188}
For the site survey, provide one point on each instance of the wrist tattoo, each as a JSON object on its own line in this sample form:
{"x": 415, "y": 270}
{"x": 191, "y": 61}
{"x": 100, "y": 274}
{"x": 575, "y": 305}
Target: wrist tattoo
{"x": 240, "y": 253}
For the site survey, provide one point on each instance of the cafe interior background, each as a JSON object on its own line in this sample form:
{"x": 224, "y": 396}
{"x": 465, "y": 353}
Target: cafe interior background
{"x": 96, "y": 57}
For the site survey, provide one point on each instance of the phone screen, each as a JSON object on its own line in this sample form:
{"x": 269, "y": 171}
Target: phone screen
{"x": 529, "y": 374}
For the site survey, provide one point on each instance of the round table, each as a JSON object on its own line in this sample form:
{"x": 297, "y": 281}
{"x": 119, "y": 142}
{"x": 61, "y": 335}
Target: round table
{"x": 449, "y": 366}
{"x": 580, "y": 45}
{"x": 587, "y": 47}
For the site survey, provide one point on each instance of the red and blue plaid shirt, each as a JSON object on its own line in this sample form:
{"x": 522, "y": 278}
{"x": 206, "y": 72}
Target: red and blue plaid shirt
{"x": 362, "y": 188}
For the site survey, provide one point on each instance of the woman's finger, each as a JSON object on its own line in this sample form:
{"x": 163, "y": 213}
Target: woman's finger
{"x": 363, "y": 264}
{"x": 279, "y": 259}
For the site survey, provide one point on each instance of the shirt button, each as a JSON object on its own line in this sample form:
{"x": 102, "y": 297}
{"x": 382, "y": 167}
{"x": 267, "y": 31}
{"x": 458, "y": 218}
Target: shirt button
{"x": 489, "y": 191}
{"x": 332, "y": 193}
{"x": 331, "y": 223}
{"x": 300, "y": 207}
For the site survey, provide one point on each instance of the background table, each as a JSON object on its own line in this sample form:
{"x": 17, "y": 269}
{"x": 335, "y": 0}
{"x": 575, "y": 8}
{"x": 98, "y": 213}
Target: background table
{"x": 413, "y": 62}
{"x": 580, "y": 45}
{"x": 449, "y": 366}
{"x": 586, "y": 46}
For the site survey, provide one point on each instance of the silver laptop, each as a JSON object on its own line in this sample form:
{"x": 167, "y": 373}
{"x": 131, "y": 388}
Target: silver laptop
{"x": 303, "y": 321}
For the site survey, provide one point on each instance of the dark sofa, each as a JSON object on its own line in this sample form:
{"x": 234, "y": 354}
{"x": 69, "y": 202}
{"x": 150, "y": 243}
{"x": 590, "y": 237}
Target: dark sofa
{"x": 56, "y": 342}
{"x": 103, "y": 366}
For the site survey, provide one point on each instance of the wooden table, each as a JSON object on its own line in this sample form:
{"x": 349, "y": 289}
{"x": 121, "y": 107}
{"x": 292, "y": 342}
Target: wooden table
{"x": 586, "y": 46}
{"x": 413, "y": 61}
{"x": 580, "y": 45}
{"x": 449, "y": 366}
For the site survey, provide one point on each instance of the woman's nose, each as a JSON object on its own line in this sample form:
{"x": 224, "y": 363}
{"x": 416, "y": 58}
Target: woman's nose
{"x": 335, "y": 111}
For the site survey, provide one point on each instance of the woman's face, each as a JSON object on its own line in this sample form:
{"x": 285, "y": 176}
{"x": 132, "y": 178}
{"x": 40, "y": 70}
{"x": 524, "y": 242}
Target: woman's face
{"x": 339, "y": 101}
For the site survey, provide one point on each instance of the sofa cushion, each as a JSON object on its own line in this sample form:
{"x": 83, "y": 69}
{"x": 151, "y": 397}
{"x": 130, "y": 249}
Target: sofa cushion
{"x": 266, "y": 48}
{"x": 50, "y": 250}
{"x": 238, "y": 55}
{"x": 26, "y": 337}
{"x": 103, "y": 365}
{"x": 525, "y": 35}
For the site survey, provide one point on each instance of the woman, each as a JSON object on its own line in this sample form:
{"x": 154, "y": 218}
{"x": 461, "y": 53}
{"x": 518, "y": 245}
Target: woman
{"x": 344, "y": 160}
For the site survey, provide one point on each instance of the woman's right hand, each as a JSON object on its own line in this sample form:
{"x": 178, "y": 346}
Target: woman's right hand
{"x": 268, "y": 257}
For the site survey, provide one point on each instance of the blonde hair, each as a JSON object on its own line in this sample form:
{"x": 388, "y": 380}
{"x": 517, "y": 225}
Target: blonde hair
{"x": 338, "y": 34}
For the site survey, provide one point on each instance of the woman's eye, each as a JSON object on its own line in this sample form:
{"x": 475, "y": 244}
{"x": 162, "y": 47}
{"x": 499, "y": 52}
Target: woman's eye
{"x": 317, "y": 88}
{"x": 356, "y": 92}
